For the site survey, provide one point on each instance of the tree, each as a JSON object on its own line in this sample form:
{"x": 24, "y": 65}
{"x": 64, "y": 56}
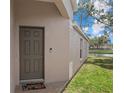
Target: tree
{"x": 95, "y": 42}
{"x": 88, "y": 8}
{"x": 99, "y": 42}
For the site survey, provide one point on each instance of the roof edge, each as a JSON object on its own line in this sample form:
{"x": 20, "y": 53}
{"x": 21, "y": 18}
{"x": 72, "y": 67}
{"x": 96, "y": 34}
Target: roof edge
{"x": 74, "y": 4}
{"x": 78, "y": 29}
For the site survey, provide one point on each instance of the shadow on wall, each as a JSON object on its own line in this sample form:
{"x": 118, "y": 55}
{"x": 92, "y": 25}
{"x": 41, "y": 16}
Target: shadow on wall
{"x": 105, "y": 63}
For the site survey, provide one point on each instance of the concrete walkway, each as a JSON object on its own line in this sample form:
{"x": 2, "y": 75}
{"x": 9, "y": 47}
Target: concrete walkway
{"x": 50, "y": 88}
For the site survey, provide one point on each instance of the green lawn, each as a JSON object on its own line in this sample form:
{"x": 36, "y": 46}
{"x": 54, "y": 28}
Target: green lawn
{"x": 95, "y": 76}
{"x": 101, "y": 51}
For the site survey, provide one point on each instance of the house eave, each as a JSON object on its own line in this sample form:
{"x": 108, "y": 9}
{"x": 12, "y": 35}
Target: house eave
{"x": 62, "y": 8}
{"x": 65, "y": 7}
{"x": 78, "y": 29}
{"x": 74, "y": 5}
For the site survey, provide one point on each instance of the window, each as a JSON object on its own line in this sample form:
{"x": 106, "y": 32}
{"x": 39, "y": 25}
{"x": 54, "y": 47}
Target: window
{"x": 81, "y": 48}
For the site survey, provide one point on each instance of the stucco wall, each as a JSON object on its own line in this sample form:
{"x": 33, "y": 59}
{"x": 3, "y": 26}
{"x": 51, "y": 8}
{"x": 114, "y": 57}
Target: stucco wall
{"x": 36, "y": 13}
{"x": 86, "y": 47}
{"x": 12, "y": 38}
{"x": 75, "y": 59}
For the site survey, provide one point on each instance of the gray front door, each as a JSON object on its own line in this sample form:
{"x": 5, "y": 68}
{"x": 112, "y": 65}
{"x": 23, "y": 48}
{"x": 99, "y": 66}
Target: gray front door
{"x": 31, "y": 53}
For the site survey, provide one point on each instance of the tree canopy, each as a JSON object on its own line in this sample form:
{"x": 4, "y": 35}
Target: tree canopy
{"x": 100, "y": 10}
{"x": 96, "y": 12}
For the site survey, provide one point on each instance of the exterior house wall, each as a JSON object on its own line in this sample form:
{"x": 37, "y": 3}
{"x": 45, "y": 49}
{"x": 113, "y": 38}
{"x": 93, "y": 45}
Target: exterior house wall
{"x": 12, "y": 48}
{"x": 85, "y": 49}
{"x": 36, "y": 13}
{"x": 75, "y": 60}
{"x": 64, "y": 60}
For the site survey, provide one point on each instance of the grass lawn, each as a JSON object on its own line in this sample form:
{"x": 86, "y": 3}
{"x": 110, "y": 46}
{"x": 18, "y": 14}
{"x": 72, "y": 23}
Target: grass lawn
{"x": 95, "y": 76}
{"x": 101, "y": 51}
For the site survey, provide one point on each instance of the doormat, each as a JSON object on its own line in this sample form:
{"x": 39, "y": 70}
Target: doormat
{"x": 33, "y": 86}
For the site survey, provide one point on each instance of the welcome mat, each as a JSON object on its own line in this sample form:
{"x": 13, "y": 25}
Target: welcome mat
{"x": 33, "y": 86}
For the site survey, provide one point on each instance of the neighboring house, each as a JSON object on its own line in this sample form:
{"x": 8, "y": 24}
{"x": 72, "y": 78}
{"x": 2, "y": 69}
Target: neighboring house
{"x": 45, "y": 44}
{"x": 104, "y": 47}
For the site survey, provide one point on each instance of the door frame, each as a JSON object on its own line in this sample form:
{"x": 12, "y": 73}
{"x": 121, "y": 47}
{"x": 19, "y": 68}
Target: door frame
{"x": 25, "y": 26}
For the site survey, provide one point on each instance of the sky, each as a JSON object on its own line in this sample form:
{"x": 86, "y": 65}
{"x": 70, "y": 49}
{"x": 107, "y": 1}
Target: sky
{"x": 90, "y": 25}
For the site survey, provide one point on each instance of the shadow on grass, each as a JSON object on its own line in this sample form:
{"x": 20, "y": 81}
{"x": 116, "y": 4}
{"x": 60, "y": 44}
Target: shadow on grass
{"x": 104, "y": 62}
